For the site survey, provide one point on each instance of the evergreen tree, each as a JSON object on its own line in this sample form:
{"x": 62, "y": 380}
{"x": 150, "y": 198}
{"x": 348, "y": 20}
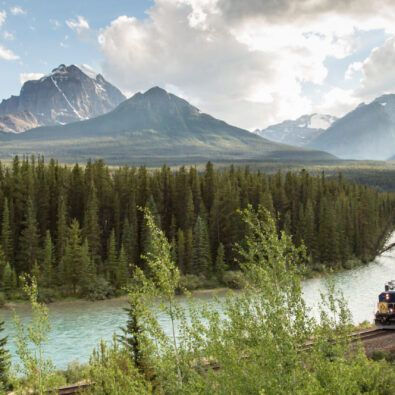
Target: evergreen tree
{"x": 91, "y": 230}
{"x": 3, "y": 263}
{"x": 112, "y": 261}
{"x": 6, "y": 234}
{"x": 8, "y": 279}
{"x": 61, "y": 229}
{"x": 189, "y": 251}
{"x": 201, "y": 248}
{"x": 29, "y": 250}
{"x": 181, "y": 250}
{"x": 87, "y": 278}
{"x": 131, "y": 334}
{"x": 4, "y": 361}
{"x": 129, "y": 242}
{"x": 123, "y": 269}
{"x": 220, "y": 265}
{"x": 48, "y": 261}
{"x": 73, "y": 256}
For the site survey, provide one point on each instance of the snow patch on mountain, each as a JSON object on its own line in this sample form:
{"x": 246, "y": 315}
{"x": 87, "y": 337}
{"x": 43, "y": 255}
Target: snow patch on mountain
{"x": 67, "y": 94}
{"x": 299, "y": 132}
{"x": 89, "y": 71}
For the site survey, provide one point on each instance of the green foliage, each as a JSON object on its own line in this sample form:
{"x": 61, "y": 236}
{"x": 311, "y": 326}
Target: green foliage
{"x": 9, "y": 279}
{"x": 47, "y": 262}
{"x": 131, "y": 333}
{"x": 28, "y": 248}
{"x": 6, "y": 233}
{"x": 191, "y": 282}
{"x": 257, "y": 343}
{"x": 220, "y": 265}
{"x": 341, "y": 224}
{"x": 113, "y": 372}
{"x": 37, "y": 371}
{"x": 201, "y": 248}
{"x": 112, "y": 261}
{"x": 73, "y": 257}
{"x": 4, "y": 361}
{"x": 234, "y": 279}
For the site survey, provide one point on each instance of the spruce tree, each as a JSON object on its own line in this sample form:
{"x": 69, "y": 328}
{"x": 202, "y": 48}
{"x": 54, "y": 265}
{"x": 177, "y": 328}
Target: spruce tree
{"x": 8, "y": 280}
{"x": 47, "y": 262}
{"x": 189, "y": 251}
{"x": 181, "y": 250}
{"x": 201, "y": 248}
{"x": 29, "y": 239}
{"x": 4, "y": 361}
{"x": 112, "y": 261}
{"x": 123, "y": 269}
{"x": 129, "y": 242}
{"x": 220, "y": 265}
{"x": 131, "y": 334}
{"x": 73, "y": 256}
{"x": 6, "y": 234}
{"x": 61, "y": 229}
{"x": 87, "y": 278}
{"x": 91, "y": 229}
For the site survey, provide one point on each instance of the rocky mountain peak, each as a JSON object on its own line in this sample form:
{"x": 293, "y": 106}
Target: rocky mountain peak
{"x": 300, "y": 131}
{"x": 67, "y": 94}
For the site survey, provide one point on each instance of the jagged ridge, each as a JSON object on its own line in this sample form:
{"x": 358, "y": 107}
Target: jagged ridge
{"x": 65, "y": 95}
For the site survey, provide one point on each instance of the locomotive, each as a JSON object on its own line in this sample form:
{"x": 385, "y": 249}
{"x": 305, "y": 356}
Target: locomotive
{"x": 385, "y": 316}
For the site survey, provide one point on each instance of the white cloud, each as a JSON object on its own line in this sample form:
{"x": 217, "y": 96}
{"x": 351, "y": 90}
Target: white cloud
{"x": 23, "y": 77}
{"x": 80, "y": 26}
{"x": 378, "y": 72}
{"x": 243, "y": 61}
{"x": 352, "y": 68}
{"x": 7, "y": 54}
{"x": 338, "y": 102}
{"x": 3, "y": 16}
{"x": 8, "y": 35}
{"x": 17, "y": 11}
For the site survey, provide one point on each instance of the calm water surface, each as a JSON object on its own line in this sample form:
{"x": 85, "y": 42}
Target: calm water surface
{"x": 77, "y": 327}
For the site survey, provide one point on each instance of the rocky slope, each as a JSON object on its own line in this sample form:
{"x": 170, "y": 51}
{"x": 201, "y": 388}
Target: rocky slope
{"x": 154, "y": 127}
{"x": 367, "y": 132}
{"x": 67, "y": 94}
{"x": 299, "y": 132}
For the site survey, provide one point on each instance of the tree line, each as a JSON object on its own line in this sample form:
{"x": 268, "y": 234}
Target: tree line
{"x": 261, "y": 343}
{"x": 80, "y": 229}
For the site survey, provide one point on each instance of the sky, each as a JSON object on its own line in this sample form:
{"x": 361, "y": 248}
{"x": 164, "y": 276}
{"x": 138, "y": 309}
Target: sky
{"x": 252, "y": 63}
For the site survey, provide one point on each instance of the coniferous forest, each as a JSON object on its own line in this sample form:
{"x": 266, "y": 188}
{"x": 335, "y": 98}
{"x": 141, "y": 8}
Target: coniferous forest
{"x": 80, "y": 229}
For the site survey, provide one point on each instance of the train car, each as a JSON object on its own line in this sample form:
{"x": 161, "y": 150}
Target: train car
{"x": 385, "y": 316}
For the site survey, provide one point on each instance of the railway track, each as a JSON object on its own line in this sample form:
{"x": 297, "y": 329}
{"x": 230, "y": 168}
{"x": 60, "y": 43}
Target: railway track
{"x": 371, "y": 334}
{"x": 358, "y": 336}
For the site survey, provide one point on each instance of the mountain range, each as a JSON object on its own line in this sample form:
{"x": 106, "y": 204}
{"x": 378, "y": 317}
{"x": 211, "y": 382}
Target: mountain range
{"x": 299, "y": 132}
{"x": 367, "y": 132}
{"x": 67, "y": 94}
{"x": 152, "y": 127}
{"x": 73, "y": 113}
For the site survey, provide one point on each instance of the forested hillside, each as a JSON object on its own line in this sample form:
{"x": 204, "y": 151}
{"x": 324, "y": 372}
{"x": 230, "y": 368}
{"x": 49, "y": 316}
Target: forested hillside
{"x": 79, "y": 229}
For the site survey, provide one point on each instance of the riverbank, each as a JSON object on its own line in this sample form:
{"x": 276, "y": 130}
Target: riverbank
{"x": 118, "y": 299}
{"x": 311, "y": 274}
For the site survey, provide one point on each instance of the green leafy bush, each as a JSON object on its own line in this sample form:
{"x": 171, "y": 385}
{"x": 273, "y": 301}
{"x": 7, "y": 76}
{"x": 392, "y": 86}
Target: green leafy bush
{"x": 191, "y": 282}
{"x": 2, "y": 299}
{"x": 100, "y": 289}
{"x": 234, "y": 279}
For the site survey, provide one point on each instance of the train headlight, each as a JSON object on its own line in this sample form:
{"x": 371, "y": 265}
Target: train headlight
{"x": 387, "y": 296}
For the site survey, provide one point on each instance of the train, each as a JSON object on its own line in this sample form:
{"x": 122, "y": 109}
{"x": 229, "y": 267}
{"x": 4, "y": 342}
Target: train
{"x": 385, "y": 315}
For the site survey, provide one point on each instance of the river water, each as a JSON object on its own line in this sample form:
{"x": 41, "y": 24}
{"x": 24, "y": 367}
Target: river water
{"x": 78, "y": 326}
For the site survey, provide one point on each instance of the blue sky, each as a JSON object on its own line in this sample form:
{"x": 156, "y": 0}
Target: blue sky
{"x": 251, "y": 63}
{"x": 42, "y": 39}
